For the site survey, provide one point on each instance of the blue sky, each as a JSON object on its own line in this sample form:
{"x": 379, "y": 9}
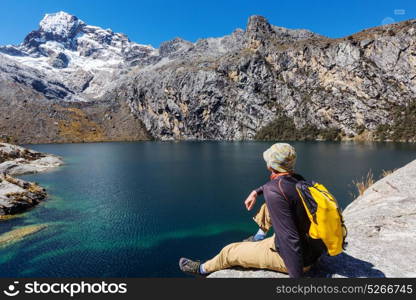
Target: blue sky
{"x": 155, "y": 21}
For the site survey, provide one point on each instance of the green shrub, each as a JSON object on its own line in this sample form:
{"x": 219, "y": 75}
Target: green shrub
{"x": 284, "y": 128}
{"x": 403, "y": 126}
{"x": 360, "y": 129}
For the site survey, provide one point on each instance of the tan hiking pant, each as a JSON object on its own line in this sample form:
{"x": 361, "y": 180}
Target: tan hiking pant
{"x": 262, "y": 218}
{"x": 259, "y": 255}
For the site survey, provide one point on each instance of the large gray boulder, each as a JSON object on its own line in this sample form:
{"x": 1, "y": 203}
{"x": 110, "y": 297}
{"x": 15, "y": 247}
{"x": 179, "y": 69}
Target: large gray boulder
{"x": 381, "y": 234}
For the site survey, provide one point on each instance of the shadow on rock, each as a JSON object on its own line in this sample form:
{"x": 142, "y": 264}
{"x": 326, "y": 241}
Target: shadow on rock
{"x": 344, "y": 265}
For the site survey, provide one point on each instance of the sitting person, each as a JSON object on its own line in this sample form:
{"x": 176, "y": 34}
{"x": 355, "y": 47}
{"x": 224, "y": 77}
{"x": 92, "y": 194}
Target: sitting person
{"x": 290, "y": 249}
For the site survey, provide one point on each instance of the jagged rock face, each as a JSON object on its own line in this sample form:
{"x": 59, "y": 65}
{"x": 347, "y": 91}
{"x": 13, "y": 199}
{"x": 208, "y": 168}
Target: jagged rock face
{"x": 60, "y": 27}
{"x": 351, "y": 83}
{"x": 221, "y": 88}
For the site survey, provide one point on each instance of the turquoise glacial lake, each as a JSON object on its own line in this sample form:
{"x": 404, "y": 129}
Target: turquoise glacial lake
{"x": 133, "y": 209}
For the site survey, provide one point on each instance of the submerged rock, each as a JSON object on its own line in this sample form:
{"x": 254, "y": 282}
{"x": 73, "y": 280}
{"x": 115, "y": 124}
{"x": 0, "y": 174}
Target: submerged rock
{"x": 17, "y": 234}
{"x": 381, "y": 234}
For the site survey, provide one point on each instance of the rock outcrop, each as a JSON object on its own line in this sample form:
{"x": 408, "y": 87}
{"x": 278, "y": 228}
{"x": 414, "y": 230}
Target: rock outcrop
{"x": 381, "y": 234}
{"x": 17, "y": 195}
{"x": 240, "y": 86}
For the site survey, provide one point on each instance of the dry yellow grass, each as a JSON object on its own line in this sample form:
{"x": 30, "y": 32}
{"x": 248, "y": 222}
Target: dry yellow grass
{"x": 368, "y": 181}
{"x": 12, "y": 180}
{"x": 79, "y": 128}
{"x": 365, "y": 183}
{"x": 387, "y": 172}
{"x": 36, "y": 189}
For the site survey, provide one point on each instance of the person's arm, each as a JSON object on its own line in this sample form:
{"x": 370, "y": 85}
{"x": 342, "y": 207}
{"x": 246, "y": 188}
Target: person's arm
{"x": 251, "y": 199}
{"x": 259, "y": 191}
{"x": 287, "y": 235}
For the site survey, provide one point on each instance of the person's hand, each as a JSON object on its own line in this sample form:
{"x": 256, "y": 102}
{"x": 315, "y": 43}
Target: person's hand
{"x": 251, "y": 200}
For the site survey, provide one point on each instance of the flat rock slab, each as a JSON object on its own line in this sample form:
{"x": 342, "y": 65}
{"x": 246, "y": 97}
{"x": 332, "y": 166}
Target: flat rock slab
{"x": 240, "y": 273}
{"x": 16, "y": 160}
{"x": 381, "y": 234}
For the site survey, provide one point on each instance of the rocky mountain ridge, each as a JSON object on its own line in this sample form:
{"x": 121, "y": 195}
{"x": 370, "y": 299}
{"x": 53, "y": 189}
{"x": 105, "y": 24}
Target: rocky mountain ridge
{"x": 264, "y": 82}
{"x": 309, "y": 86}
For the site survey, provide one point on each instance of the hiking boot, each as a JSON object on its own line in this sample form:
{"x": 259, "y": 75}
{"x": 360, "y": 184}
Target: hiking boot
{"x": 190, "y": 266}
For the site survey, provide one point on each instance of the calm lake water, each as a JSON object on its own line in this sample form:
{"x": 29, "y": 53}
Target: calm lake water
{"x": 132, "y": 209}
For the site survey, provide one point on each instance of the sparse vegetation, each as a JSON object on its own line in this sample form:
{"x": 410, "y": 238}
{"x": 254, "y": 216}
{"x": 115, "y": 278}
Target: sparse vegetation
{"x": 6, "y": 139}
{"x": 360, "y": 129}
{"x": 24, "y": 154}
{"x": 79, "y": 127}
{"x": 403, "y": 126}
{"x": 284, "y": 128}
{"x": 387, "y": 172}
{"x": 367, "y": 181}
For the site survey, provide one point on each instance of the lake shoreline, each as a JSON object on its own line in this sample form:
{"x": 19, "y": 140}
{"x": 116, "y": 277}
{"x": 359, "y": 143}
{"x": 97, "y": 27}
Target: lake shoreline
{"x": 355, "y": 140}
{"x": 17, "y": 195}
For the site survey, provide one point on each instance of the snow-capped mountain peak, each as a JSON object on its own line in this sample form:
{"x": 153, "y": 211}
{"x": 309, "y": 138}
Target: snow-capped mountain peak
{"x": 61, "y": 24}
{"x": 61, "y": 30}
{"x": 84, "y": 59}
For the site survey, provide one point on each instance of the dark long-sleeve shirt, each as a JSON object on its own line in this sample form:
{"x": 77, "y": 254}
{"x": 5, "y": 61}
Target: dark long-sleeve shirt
{"x": 291, "y": 224}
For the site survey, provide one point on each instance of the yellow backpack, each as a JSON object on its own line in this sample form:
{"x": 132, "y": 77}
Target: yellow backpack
{"x": 326, "y": 219}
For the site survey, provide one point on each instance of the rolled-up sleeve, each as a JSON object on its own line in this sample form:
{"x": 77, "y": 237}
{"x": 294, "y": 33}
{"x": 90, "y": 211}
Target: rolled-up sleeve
{"x": 286, "y": 234}
{"x": 259, "y": 191}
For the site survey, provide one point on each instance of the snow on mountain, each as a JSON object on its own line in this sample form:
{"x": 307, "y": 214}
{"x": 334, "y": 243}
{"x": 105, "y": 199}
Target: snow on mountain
{"x": 84, "y": 59}
{"x": 67, "y": 59}
{"x": 61, "y": 24}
